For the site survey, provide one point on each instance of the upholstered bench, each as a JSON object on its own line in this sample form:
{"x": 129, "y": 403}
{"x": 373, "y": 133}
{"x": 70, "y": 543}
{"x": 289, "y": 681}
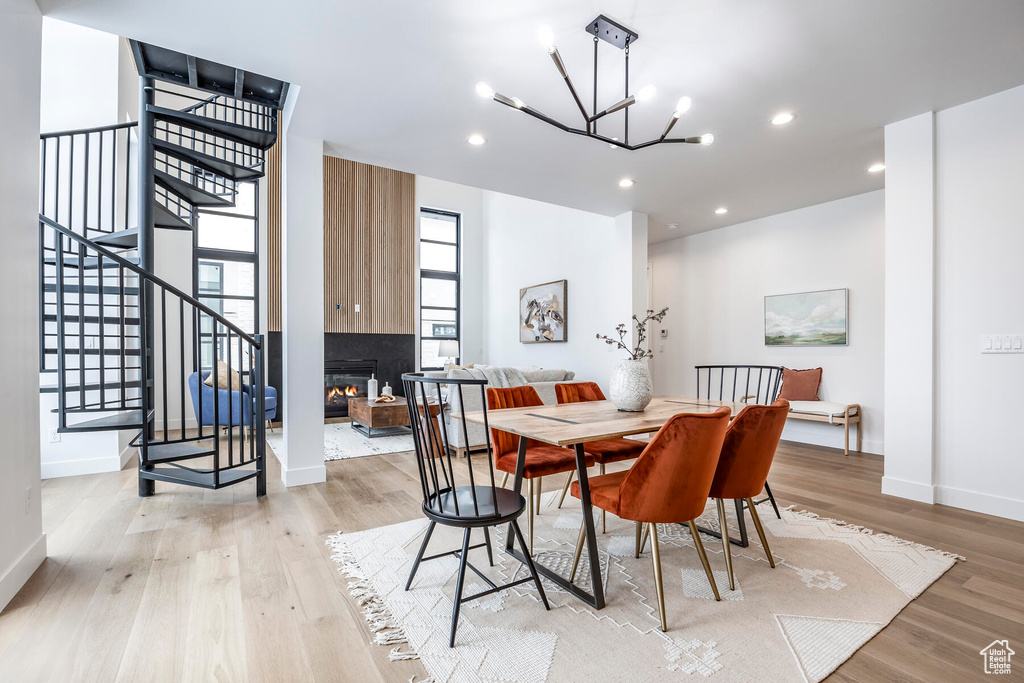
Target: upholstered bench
{"x": 832, "y": 413}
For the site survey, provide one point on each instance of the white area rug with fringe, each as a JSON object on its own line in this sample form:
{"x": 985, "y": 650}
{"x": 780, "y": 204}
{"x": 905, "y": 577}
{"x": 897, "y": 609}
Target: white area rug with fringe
{"x": 834, "y": 587}
{"x": 342, "y": 442}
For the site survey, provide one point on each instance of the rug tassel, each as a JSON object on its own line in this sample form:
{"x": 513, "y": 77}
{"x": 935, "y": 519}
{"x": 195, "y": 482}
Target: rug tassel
{"x": 397, "y": 655}
{"x": 425, "y": 680}
{"x": 895, "y": 540}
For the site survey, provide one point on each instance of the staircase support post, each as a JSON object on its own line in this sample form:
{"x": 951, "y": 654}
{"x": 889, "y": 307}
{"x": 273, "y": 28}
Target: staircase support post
{"x": 147, "y": 190}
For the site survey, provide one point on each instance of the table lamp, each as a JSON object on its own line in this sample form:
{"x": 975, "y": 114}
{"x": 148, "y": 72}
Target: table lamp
{"x": 448, "y": 349}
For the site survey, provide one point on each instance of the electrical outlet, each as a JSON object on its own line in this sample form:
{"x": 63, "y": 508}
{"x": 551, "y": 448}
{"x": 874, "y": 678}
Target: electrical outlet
{"x": 28, "y": 500}
{"x": 54, "y": 435}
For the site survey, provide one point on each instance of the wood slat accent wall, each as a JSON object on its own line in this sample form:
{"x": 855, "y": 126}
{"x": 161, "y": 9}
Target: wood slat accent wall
{"x": 273, "y": 180}
{"x": 369, "y": 248}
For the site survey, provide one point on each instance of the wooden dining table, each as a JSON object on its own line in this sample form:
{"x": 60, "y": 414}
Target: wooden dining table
{"x": 572, "y": 425}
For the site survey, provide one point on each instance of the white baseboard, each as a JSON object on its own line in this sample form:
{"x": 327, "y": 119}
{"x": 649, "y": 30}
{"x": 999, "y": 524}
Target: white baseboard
{"x": 986, "y": 503}
{"x": 21, "y": 570}
{"x": 304, "y": 476}
{"x": 911, "y": 490}
{"x": 127, "y": 454}
{"x": 74, "y": 468}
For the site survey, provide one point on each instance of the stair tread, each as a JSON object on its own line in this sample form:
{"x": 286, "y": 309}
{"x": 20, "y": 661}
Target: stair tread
{"x": 129, "y": 384}
{"x": 190, "y": 192}
{"x": 180, "y": 475}
{"x": 128, "y": 238}
{"x": 208, "y": 162}
{"x": 91, "y": 262}
{"x": 131, "y": 419}
{"x": 165, "y": 218}
{"x": 261, "y": 139}
{"x": 74, "y": 288}
{"x": 93, "y": 319}
{"x": 168, "y": 452}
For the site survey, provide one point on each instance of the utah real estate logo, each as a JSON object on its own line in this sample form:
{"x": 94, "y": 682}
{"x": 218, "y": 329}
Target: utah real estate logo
{"x": 997, "y": 657}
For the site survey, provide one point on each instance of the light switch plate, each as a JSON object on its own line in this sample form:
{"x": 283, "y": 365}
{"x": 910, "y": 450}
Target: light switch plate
{"x": 1002, "y": 343}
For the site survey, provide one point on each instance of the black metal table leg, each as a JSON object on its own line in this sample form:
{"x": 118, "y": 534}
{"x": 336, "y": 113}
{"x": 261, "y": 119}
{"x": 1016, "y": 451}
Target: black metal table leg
{"x": 595, "y": 599}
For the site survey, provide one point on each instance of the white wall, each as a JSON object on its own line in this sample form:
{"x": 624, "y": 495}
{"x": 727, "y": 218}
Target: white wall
{"x": 22, "y": 543}
{"x": 79, "y": 86}
{"x": 529, "y": 242}
{"x": 714, "y": 284}
{"x": 979, "y": 173}
{"x": 468, "y": 202}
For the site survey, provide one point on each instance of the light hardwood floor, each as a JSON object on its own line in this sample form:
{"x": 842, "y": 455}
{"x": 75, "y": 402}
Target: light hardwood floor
{"x": 217, "y": 585}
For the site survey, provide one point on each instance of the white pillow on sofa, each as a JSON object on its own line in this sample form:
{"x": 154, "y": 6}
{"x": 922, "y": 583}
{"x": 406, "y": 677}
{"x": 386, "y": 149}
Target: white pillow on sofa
{"x": 550, "y": 375}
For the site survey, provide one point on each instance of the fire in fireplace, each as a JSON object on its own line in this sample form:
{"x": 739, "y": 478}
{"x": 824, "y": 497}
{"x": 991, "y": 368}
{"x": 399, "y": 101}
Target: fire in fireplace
{"x": 344, "y": 380}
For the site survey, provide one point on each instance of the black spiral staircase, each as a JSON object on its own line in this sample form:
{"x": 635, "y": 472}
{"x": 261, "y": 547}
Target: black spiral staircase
{"x": 120, "y": 342}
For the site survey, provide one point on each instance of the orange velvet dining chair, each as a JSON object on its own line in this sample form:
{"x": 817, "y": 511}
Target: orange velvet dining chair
{"x": 668, "y": 484}
{"x": 604, "y": 451}
{"x": 747, "y": 455}
{"x": 541, "y": 459}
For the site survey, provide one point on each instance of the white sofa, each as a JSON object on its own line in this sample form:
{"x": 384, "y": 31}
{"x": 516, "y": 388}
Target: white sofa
{"x": 541, "y": 379}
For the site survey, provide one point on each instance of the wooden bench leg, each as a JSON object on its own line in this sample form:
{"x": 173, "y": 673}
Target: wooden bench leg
{"x": 846, "y": 438}
{"x": 860, "y": 434}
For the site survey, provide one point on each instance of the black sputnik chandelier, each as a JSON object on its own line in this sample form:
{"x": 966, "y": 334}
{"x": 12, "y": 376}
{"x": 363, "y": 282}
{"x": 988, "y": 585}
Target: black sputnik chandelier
{"x": 621, "y": 37}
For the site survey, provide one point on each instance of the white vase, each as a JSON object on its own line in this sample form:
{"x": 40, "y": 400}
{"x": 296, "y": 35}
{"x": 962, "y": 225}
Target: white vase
{"x": 631, "y": 386}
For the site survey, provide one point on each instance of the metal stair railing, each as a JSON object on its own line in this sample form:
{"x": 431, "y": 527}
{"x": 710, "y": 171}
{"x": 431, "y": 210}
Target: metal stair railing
{"x": 184, "y": 326}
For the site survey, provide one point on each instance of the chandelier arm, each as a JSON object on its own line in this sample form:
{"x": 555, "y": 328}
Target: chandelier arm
{"x": 557, "y": 59}
{"x": 546, "y": 119}
{"x": 610, "y": 141}
{"x": 668, "y": 128}
{"x": 690, "y": 140}
{"x": 621, "y": 104}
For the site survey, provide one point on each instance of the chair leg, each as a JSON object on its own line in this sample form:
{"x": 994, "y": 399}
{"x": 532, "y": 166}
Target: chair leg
{"x": 579, "y": 550}
{"x": 490, "y": 552}
{"x": 529, "y": 506}
{"x": 419, "y": 555}
{"x": 722, "y": 523}
{"x": 565, "y": 489}
{"x": 656, "y": 555}
{"x": 768, "y": 490}
{"x": 530, "y": 565}
{"x": 458, "y": 586}
{"x": 643, "y": 539}
{"x": 703, "y": 557}
{"x": 504, "y": 480}
{"x": 639, "y": 534}
{"x": 540, "y": 487}
{"x": 760, "y": 532}
{"x": 604, "y": 513}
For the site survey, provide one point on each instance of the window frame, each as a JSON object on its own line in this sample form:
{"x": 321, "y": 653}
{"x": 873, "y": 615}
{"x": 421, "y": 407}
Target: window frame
{"x": 456, "y": 277}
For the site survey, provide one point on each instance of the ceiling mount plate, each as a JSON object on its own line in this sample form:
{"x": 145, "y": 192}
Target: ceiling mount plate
{"x": 612, "y": 32}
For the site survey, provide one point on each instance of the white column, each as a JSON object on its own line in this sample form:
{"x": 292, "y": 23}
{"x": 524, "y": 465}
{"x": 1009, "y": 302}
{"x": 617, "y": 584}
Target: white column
{"x": 302, "y": 294}
{"x": 909, "y": 308}
{"x": 22, "y": 543}
{"x": 631, "y": 248}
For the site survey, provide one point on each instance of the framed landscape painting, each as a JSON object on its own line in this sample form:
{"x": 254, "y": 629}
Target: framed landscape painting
{"x": 543, "y": 313}
{"x": 806, "y": 319}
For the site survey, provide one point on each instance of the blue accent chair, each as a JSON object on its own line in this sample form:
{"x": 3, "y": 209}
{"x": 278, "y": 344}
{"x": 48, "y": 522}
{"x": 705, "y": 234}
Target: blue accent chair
{"x": 230, "y": 403}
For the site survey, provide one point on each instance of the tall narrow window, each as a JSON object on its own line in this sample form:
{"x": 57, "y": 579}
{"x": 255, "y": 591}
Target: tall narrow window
{"x": 439, "y": 285}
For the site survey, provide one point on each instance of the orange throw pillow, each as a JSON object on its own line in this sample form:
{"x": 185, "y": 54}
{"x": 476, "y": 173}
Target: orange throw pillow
{"x": 800, "y": 385}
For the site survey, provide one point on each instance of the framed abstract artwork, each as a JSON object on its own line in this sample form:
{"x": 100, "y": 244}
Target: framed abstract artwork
{"x": 543, "y": 314}
{"x": 806, "y": 319}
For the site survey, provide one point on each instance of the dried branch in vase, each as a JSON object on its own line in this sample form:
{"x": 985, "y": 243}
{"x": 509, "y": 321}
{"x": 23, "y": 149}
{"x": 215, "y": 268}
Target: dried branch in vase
{"x": 637, "y": 352}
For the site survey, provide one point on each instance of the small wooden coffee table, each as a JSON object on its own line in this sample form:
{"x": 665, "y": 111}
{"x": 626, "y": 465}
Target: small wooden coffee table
{"x": 373, "y": 418}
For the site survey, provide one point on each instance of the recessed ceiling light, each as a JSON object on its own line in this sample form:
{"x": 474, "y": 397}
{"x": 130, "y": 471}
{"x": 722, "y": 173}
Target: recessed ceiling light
{"x": 782, "y": 118}
{"x": 614, "y": 146}
{"x": 627, "y": 182}
{"x": 476, "y": 139}
{"x": 720, "y": 210}
{"x": 876, "y": 168}
{"x": 673, "y": 226}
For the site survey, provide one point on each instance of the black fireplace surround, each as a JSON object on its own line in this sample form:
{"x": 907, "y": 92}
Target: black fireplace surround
{"x": 394, "y": 355}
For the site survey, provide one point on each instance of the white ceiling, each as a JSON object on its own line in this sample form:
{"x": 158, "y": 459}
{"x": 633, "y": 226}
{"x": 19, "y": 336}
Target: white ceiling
{"x": 395, "y": 87}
